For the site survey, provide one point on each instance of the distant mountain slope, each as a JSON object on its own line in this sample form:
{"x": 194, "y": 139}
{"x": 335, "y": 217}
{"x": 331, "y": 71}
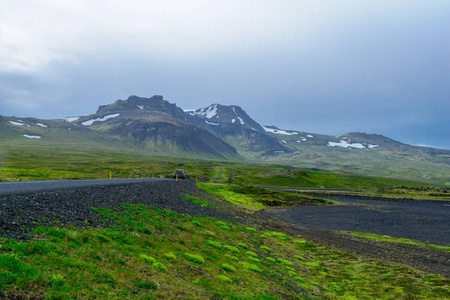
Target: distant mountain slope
{"x": 233, "y": 125}
{"x": 369, "y": 154}
{"x": 57, "y": 134}
{"x": 363, "y": 153}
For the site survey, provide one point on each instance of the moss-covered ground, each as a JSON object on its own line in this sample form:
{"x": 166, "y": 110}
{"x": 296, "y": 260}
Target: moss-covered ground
{"x": 145, "y": 253}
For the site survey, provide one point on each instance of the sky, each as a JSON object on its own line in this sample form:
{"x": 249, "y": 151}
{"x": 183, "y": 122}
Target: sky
{"x": 320, "y": 66}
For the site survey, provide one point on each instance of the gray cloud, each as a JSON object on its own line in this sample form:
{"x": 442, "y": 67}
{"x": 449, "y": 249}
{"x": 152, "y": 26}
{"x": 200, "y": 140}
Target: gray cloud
{"x": 320, "y": 66}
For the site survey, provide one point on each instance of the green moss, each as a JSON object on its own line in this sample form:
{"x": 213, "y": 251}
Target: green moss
{"x": 147, "y": 259}
{"x": 170, "y": 255}
{"x": 231, "y": 248}
{"x": 285, "y": 262}
{"x": 249, "y": 266}
{"x": 228, "y": 267}
{"x": 160, "y": 266}
{"x": 265, "y": 248}
{"x": 243, "y": 245}
{"x": 214, "y": 244}
{"x": 224, "y": 279}
{"x": 194, "y": 258}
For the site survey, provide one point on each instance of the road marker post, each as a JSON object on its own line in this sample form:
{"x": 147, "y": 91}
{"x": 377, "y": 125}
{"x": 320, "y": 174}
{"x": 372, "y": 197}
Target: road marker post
{"x": 176, "y": 178}
{"x": 110, "y": 175}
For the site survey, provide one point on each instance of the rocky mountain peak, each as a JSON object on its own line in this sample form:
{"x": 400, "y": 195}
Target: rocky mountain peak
{"x": 218, "y": 114}
{"x": 135, "y": 103}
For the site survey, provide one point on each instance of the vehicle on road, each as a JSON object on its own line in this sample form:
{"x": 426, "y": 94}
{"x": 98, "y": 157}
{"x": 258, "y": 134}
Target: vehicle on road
{"x": 180, "y": 173}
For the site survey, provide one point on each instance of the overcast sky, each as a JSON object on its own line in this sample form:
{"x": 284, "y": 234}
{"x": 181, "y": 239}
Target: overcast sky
{"x": 321, "y": 66}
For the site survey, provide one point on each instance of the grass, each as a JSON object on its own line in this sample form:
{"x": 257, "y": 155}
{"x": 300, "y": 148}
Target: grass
{"x": 385, "y": 238}
{"x": 143, "y": 254}
{"x": 250, "y": 198}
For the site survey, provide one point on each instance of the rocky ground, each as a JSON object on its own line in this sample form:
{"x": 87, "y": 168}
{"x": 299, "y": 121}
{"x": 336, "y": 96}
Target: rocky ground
{"x": 19, "y": 214}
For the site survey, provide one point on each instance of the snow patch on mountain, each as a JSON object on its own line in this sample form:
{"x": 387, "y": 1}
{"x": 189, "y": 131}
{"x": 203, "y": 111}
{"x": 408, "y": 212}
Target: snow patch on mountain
{"x": 71, "y": 119}
{"x": 278, "y": 131}
{"x": 242, "y": 121}
{"x": 210, "y": 123}
{"x": 16, "y": 123}
{"x": 346, "y": 144}
{"x": 141, "y": 107}
{"x": 41, "y": 125}
{"x": 90, "y": 122}
{"x": 206, "y": 113}
{"x": 32, "y": 136}
{"x": 310, "y": 136}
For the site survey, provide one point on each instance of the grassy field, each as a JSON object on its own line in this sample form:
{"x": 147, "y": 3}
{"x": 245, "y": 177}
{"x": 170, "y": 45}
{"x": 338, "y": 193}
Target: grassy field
{"x": 145, "y": 253}
{"x": 42, "y": 163}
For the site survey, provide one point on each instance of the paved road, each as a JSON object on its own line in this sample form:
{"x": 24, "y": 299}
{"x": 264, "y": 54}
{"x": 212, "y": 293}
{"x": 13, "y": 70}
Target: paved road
{"x": 27, "y": 187}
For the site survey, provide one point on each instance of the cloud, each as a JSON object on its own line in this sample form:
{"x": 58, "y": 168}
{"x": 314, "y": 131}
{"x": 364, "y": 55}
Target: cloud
{"x": 361, "y": 65}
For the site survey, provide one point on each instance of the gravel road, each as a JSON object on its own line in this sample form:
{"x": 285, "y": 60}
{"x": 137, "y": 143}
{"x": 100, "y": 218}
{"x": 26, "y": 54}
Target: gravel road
{"x": 20, "y": 213}
{"x": 26, "y": 187}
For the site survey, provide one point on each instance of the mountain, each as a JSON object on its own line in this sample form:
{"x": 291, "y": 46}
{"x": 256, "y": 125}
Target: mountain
{"x": 225, "y": 132}
{"x": 157, "y": 126}
{"x": 233, "y": 125}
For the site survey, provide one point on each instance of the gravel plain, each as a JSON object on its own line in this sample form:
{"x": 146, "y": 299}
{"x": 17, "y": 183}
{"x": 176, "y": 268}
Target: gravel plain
{"x": 420, "y": 220}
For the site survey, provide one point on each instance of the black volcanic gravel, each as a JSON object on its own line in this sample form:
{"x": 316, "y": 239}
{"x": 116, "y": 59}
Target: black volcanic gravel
{"x": 19, "y": 214}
